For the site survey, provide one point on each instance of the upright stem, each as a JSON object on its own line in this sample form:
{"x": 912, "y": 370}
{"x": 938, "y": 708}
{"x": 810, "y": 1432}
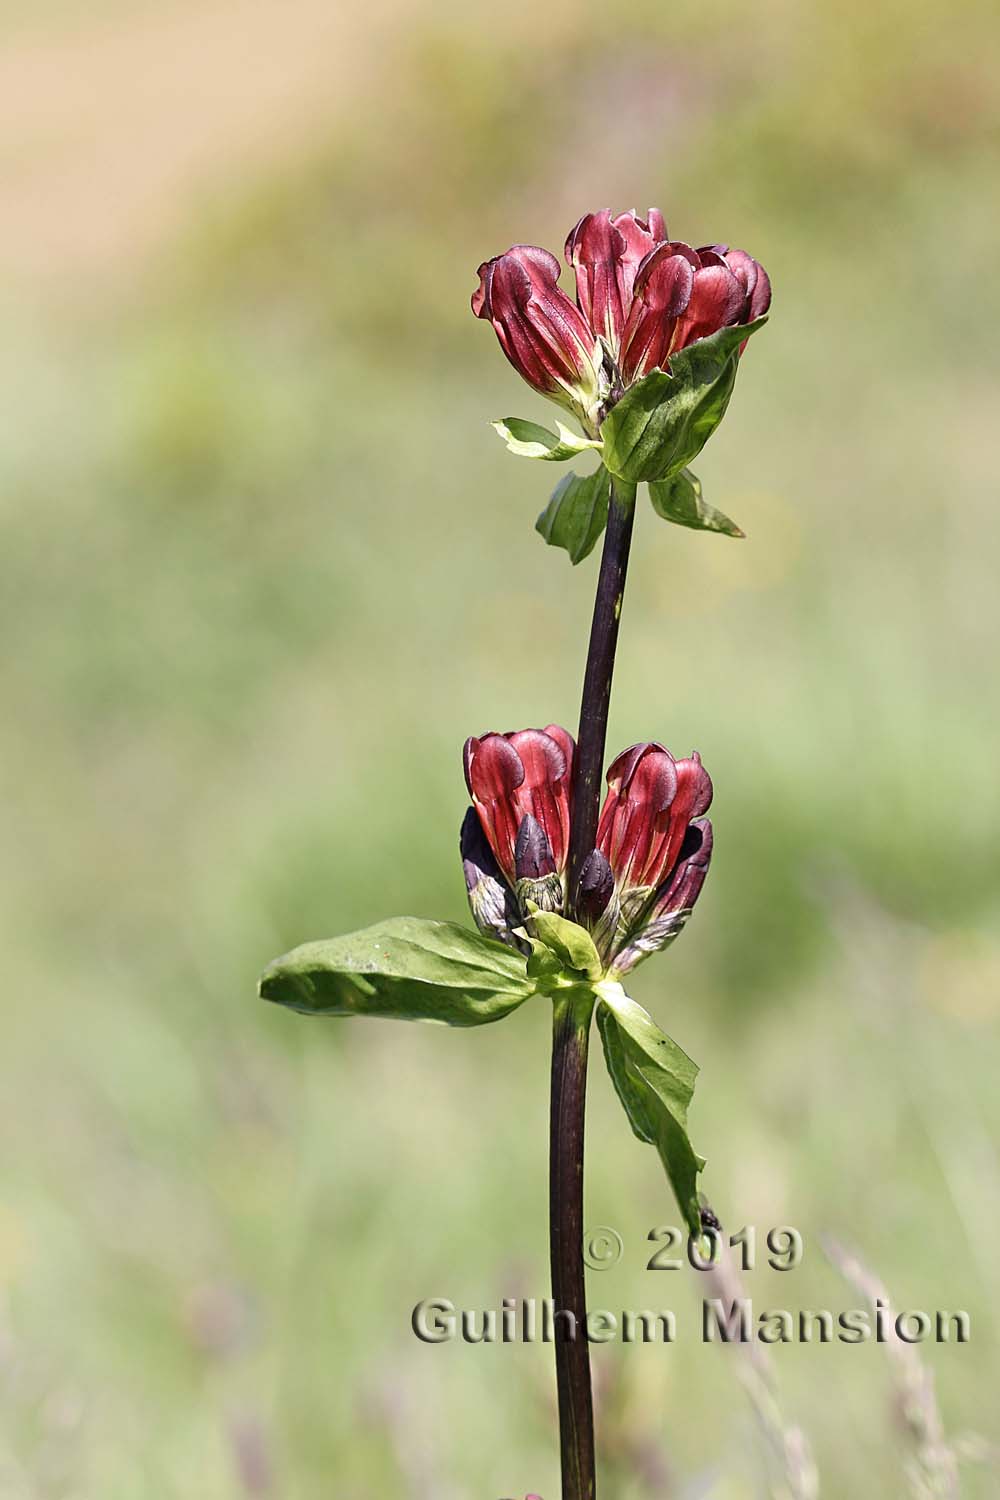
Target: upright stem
{"x": 571, "y": 1029}
{"x": 597, "y": 680}
{"x": 570, "y": 1040}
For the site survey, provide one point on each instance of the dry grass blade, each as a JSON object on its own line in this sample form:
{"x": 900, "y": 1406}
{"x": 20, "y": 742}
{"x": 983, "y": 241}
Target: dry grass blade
{"x": 791, "y": 1471}
{"x": 932, "y": 1464}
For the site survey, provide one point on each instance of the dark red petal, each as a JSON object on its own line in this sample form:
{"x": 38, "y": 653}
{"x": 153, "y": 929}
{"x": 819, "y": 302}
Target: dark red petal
{"x": 566, "y": 743}
{"x": 652, "y": 779}
{"x": 717, "y": 300}
{"x": 683, "y": 887}
{"x": 541, "y": 265}
{"x": 594, "y": 250}
{"x": 638, "y": 240}
{"x": 574, "y": 236}
{"x": 694, "y": 787}
{"x": 760, "y": 297}
{"x": 643, "y": 783}
{"x": 744, "y": 268}
{"x": 663, "y": 288}
{"x": 754, "y": 278}
{"x": 623, "y": 767}
{"x": 481, "y": 296}
{"x": 655, "y": 224}
{"x": 692, "y": 796}
{"x": 711, "y": 257}
{"x": 660, "y": 253}
{"x": 652, "y": 790}
{"x": 545, "y": 792}
{"x": 468, "y": 751}
{"x": 540, "y": 755}
{"x": 495, "y": 768}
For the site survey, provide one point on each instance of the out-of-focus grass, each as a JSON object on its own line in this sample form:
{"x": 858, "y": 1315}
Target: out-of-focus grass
{"x": 265, "y": 567}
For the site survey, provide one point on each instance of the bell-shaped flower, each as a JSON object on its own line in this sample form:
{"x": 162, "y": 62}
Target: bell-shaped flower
{"x": 521, "y": 787}
{"x": 651, "y": 800}
{"x": 546, "y": 338}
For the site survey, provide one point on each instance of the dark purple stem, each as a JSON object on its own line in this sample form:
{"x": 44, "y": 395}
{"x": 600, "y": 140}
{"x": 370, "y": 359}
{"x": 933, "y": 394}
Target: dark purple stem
{"x": 597, "y": 681}
{"x": 571, "y": 1029}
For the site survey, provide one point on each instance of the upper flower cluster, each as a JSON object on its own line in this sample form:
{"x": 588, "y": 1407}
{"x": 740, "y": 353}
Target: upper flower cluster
{"x": 640, "y": 297}
{"x": 653, "y": 844}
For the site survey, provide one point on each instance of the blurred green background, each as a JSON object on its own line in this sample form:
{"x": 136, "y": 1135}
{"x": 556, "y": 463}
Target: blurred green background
{"x": 265, "y": 567}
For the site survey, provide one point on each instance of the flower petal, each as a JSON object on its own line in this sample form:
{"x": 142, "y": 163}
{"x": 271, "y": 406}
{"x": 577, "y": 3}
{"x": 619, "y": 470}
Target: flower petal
{"x": 605, "y": 254}
{"x": 642, "y": 785}
{"x": 717, "y": 300}
{"x": 681, "y": 890}
{"x": 663, "y": 287}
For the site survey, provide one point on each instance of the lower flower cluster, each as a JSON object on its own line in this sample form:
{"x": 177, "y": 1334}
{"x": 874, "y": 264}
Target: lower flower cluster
{"x": 637, "y": 887}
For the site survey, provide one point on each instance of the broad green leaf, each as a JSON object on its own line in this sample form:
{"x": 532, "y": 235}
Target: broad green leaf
{"x": 654, "y": 1080}
{"x": 664, "y": 420}
{"x": 572, "y": 945}
{"x": 531, "y": 440}
{"x": 577, "y": 513}
{"x": 679, "y": 499}
{"x": 406, "y": 969}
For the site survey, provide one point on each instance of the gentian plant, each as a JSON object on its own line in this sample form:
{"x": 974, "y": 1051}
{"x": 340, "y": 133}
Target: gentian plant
{"x": 567, "y": 896}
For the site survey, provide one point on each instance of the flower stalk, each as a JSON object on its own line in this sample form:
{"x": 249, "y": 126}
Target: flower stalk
{"x": 571, "y": 1025}
{"x": 570, "y": 1042}
{"x": 596, "y": 700}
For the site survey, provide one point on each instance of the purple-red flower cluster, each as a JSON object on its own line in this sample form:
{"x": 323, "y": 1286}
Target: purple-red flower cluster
{"x": 640, "y": 297}
{"x": 653, "y": 842}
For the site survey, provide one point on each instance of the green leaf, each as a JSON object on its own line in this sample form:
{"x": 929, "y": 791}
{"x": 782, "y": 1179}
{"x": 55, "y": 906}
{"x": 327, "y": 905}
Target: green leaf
{"x": 577, "y": 513}
{"x": 572, "y": 945}
{"x": 679, "y": 500}
{"x": 654, "y": 1080}
{"x": 406, "y": 969}
{"x": 664, "y": 420}
{"x": 531, "y": 440}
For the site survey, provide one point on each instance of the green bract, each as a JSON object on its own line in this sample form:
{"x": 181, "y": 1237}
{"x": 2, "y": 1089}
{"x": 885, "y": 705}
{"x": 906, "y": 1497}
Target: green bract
{"x": 577, "y": 513}
{"x": 663, "y": 421}
{"x": 531, "y": 440}
{"x": 655, "y": 1081}
{"x": 570, "y": 944}
{"x": 679, "y": 500}
{"x": 413, "y": 969}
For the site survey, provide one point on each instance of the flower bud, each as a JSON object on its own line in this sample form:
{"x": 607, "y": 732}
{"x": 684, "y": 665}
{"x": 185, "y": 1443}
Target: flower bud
{"x": 535, "y": 868}
{"x": 546, "y": 338}
{"x": 532, "y": 851}
{"x": 489, "y": 897}
{"x": 598, "y": 905}
{"x": 597, "y": 886}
